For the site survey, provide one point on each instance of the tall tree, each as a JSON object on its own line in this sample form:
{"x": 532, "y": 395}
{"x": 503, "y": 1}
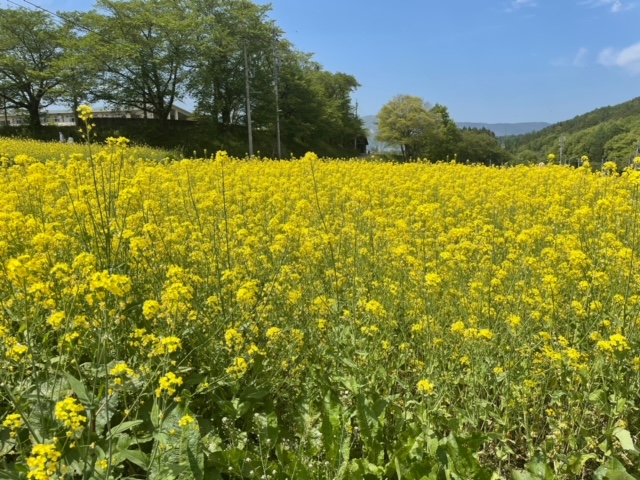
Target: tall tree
{"x": 406, "y": 122}
{"x": 314, "y": 110}
{"x": 228, "y": 30}
{"x": 141, "y": 51}
{"x": 30, "y": 46}
{"x": 482, "y": 146}
{"x": 443, "y": 140}
{"x": 77, "y": 79}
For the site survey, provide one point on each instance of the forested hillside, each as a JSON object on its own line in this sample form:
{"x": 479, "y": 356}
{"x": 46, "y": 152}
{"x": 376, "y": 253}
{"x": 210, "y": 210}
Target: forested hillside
{"x": 605, "y": 134}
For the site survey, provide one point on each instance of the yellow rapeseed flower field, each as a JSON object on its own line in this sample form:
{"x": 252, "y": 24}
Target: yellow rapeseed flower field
{"x": 314, "y": 318}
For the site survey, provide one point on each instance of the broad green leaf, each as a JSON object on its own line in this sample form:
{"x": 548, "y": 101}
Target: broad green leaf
{"x": 123, "y": 427}
{"x": 78, "y": 388}
{"x": 624, "y": 437}
{"x": 136, "y": 457}
{"x": 522, "y": 475}
{"x": 181, "y": 453}
{"x": 106, "y": 411}
{"x": 613, "y": 469}
{"x": 331, "y": 427}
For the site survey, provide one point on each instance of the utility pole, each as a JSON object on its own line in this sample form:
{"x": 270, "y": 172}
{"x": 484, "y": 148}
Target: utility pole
{"x": 355, "y": 140}
{"x": 563, "y": 139}
{"x": 246, "y": 77}
{"x": 276, "y": 75}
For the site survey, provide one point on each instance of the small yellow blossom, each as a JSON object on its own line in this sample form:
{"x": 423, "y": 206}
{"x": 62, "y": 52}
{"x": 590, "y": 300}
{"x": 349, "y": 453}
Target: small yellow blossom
{"x": 186, "y": 420}
{"x": 168, "y": 384}
{"x": 239, "y": 367}
{"x": 425, "y": 387}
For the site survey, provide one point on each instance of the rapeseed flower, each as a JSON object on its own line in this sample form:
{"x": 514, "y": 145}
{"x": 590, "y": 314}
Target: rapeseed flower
{"x": 43, "y": 462}
{"x": 69, "y": 412}
{"x": 168, "y": 384}
{"x": 425, "y": 387}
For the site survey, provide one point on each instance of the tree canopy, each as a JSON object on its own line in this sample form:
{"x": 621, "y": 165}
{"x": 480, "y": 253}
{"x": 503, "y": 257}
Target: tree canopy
{"x": 31, "y": 45}
{"x": 605, "y": 134}
{"x": 405, "y": 122}
{"x": 147, "y": 54}
{"x": 421, "y": 131}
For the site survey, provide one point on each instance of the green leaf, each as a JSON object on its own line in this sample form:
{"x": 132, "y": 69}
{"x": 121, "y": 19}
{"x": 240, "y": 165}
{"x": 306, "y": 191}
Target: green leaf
{"x": 624, "y": 437}
{"x": 522, "y": 475}
{"x": 106, "y": 411}
{"x": 155, "y": 414}
{"x": 613, "y": 469}
{"x": 268, "y": 428}
{"x": 136, "y": 457}
{"x": 252, "y": 393}
{"x": 577, "y": 461}
{"x": 182, "y": 455}
{"x": 617, "y": 475}
{"x": 192, "y": 457}
{"x": 123, "y": 427}
{"x": 7, "y": 444}
{"x": 330, "y": 427}
{"x": 78, "y": 388}
{"x": 10, "y": 475}
{"x": 540, "y": 470}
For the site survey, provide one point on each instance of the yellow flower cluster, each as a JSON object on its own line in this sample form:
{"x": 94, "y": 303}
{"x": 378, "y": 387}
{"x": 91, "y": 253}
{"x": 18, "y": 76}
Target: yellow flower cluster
{"x": 69, "y": 412}
{"x": 13, "y": 422}
{"x": 616, "y": 343}
{"x": 121, "y": 370}
{"x": 239, "y": 367}
{"x": 43, "y": 462}
{"x": 186, "y": 421}
{"x": 426, "y": 387}
{"x": 511, "y": 289}
{"x": 168, "y": 384}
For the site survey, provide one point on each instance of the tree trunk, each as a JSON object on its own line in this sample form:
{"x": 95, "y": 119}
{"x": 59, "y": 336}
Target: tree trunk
{"x": 34, "y": 117}
{"x": 76, "y": 116}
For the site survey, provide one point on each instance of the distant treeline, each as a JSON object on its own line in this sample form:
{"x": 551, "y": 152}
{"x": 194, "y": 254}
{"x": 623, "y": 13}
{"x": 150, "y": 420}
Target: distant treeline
{"x": 185, "y": 138}
{"x": 606, "y": 134}
{"x": 230, "y": 57}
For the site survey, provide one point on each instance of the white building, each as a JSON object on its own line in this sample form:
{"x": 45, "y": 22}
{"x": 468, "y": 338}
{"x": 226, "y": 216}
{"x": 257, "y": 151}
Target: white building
{"x": 65, "y": 118}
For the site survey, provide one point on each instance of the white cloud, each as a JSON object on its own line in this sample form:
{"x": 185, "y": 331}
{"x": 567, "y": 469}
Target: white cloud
{"x": 614, "y": 6}
{"x": 517, "y": 4}
{"x": 580, "y": 60}
{"x": 627, "y": 58}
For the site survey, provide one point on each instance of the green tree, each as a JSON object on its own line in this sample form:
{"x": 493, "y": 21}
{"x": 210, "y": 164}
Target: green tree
{"x": 77, "y": 81}
{"x": 482, "y": 146}
{"x": 141, "y": 52}
{"x": 315, "y": 108}
{"x": 443, "y": 140}
{"x": 30, "y": 46}
{"x": 227, "y": 30}
{"x": 406, "y": 122}
{"x": 528, "y": 157}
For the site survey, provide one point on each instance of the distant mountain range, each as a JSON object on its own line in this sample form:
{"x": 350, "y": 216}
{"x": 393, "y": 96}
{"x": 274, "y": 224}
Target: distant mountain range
{"x": 500, "y": 129}
{"x": 506, "y": 129}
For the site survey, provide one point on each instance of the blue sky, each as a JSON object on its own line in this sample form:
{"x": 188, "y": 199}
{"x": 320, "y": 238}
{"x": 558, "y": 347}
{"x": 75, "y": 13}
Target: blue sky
{"x": 486, "y": 60}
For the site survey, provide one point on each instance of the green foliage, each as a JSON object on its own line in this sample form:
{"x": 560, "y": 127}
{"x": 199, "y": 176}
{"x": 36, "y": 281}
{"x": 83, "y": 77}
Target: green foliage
{"x": 405, "y": 122}
{"x": 140, "y": 52}
{"x": 146, "y": 55}
{"x": 605, "y": 134}
{"x": 430, "y": 133}
{"x": 481, "y": 146}
{"x": 30, "y": 47}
